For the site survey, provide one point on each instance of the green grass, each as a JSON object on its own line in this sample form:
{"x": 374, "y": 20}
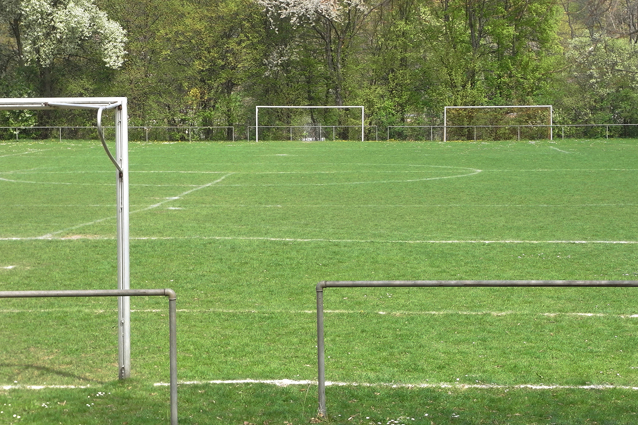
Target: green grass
{"x": 243, "y": 232}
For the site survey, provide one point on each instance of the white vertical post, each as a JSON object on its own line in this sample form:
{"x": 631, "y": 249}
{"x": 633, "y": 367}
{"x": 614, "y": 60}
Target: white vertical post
{"x": 551, "y": 122}
{"x": 123, "y": 264}
{"x": 362, "y": 123}
{"x": 256, "y": 124}
{"x": 445, "y": 124}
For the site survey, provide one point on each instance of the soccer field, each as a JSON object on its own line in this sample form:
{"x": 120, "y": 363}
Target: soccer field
{"x": 244, "y": 231}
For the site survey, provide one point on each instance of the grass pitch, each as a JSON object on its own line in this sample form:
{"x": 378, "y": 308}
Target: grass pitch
{"x": 243, "y": 232}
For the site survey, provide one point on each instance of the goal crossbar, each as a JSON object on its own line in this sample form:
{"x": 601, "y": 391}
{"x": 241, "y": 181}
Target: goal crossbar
{"x": 321, "y": 363}
{"x": 550, "y": 107}
{"x": 120, "y": 160}
{"x": 308, "y": 107}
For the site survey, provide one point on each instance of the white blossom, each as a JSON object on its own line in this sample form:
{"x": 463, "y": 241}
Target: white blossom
{"x": 51, "y": 29}
{"x": 300, "y": 10}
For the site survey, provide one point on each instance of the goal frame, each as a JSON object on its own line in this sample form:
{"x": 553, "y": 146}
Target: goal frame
{"x": 307, "y": 107}
{"x": 550, "y": 107}
{"x": 120, "y": 161}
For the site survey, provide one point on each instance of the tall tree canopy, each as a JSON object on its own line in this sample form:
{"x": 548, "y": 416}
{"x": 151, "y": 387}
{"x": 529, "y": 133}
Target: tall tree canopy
{"x": 202, "y": 62}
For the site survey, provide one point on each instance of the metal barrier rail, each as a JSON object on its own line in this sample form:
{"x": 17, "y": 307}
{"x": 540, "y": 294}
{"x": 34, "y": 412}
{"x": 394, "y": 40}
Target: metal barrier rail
{"x": 436, "y": 284}
{"x": 124, "y": 293}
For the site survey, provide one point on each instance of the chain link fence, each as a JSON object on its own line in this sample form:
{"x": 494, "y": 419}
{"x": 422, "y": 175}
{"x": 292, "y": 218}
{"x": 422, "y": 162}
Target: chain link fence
{"x": 434, "y": 133}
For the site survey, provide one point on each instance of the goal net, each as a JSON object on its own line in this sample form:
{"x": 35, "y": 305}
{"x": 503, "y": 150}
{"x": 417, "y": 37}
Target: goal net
{"x": 498, "y": 122}
{"x": 309, "y": 123}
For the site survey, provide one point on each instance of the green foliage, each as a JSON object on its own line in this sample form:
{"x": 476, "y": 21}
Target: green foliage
{"x": 209, "y": 63}
{"x": 603, "y": 76}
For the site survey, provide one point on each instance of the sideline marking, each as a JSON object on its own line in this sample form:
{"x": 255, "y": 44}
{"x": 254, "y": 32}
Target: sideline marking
{"x": 288, "y": 382}
{"x": 319, "y": 240}
{"x": 255, "y": 238}
{"x": 397, "y": 313}
{"x": 43, "y": 387}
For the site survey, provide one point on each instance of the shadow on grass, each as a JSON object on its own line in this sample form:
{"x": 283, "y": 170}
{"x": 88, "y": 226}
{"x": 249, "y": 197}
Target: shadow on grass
{"x": 46, "y": 371}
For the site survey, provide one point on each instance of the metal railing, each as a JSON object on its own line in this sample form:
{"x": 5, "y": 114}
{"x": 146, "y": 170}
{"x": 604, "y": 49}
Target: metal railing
{"x": 125, "y": 293}
{"x": 435, "y": 284}
{"x": 136, "y": 133}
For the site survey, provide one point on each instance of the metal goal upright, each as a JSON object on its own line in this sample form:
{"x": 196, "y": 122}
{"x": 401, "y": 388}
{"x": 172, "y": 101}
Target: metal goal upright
{"x": 549, "y": 107}
{"x": 120, "y": 161}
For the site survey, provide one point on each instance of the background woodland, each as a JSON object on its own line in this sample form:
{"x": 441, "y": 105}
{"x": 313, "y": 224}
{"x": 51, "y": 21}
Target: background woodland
{"x": 209, "y": 62}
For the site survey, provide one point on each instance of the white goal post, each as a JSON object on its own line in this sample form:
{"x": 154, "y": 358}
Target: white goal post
{"x": 308, "y": 107}
{"x": 120, "y": 161}
{"x": 549, "y": 124}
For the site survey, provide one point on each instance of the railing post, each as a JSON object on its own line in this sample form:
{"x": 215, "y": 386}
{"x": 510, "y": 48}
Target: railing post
{"x": 124, "y": 293}
{"x": 172, "y": 318}
{"x": 321, "y": 363}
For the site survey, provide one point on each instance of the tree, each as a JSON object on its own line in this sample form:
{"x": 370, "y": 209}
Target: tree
{"x": 602, "y": 81}
{"x": 335, "y": 23}
{"x": 47, "y": 31}
{"x": 151, "y": 77}
{"x": 492, "y": 51}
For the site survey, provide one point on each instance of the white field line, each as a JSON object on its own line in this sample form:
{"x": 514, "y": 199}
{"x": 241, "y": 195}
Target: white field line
{"x": 323, "y": 206}
{"x": 52, "y": 234}
{"x": 473, "y": 172}
{"x": 174, "y": 198}
{"x": 24, "y": 153}
{"x": 254, "y": 238}
{"x": 559, "y": 150}
{"x": 42, "y": 387}
{"x": 313, "y": 312}
{"x": 289, "y": 382}
{"x": 558, "y": 170}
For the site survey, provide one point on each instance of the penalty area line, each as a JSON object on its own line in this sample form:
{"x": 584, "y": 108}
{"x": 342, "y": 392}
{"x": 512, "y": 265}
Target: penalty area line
{"x": 159, "y": 204}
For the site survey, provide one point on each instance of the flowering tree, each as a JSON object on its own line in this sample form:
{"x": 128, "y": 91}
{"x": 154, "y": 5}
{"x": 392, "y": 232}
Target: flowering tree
{"x": 300, "y": 10}
{"x": 45, "y": 30}
{"x": 334, "y": 22}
